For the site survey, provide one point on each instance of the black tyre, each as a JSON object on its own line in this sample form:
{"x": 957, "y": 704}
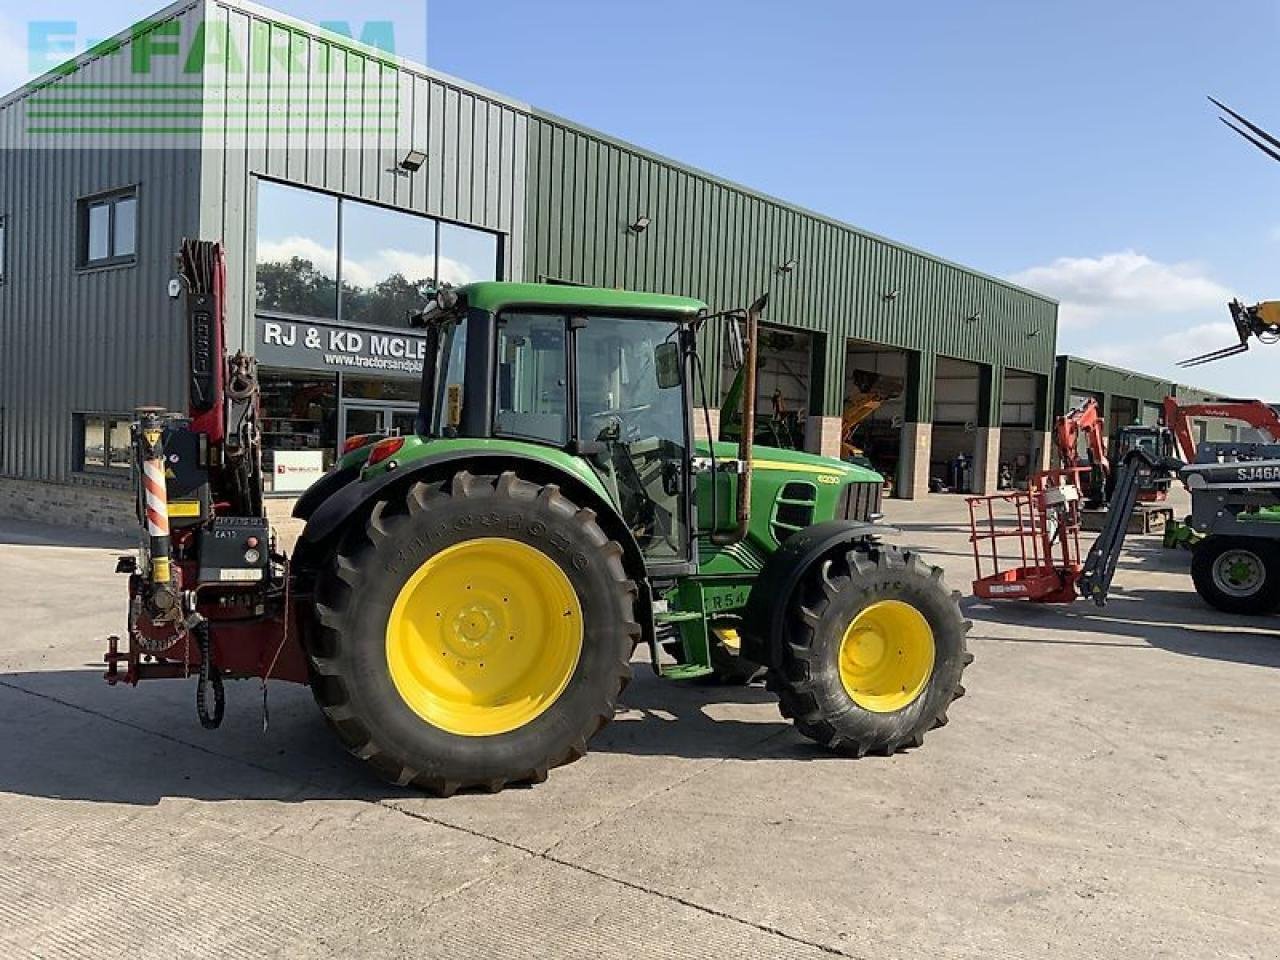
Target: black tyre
{"x": 874, "y": 652}
{"x": 1237, "y": 574}
{"x": 473, "y": 633}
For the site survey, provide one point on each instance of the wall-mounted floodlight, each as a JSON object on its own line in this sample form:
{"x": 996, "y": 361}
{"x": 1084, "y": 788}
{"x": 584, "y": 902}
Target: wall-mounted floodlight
{"x": 413, "y": 161}
{"x": 640, "y": 225}
{"x": 973, "y": 318}
{"x": 1033, "y": 333}
{"x": 788, "y": 266}
{"x": 891, "y": 294}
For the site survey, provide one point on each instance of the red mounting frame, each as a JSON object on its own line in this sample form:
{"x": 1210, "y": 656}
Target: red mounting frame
{"x": 1043, "y": 524}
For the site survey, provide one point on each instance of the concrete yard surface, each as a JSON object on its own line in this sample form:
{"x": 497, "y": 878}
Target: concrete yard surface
{"x": 1110, "y": 787}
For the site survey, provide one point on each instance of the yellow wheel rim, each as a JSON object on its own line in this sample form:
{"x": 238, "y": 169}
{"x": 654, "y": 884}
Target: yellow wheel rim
{"x": 484, "y": 637}
{"x": 886, "y": 656}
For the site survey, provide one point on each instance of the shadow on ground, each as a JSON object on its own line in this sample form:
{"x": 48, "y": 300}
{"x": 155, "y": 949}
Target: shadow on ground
{"x": 68, "y": 736}
{"x": 1174, "y": 620}
{"x": 28, "y": 533}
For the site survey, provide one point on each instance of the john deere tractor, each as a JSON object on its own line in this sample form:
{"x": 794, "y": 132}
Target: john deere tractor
{"x": 466, "y": 600}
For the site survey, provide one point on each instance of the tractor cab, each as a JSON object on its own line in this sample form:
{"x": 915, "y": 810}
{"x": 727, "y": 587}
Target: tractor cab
{"x": 598, "y": 375}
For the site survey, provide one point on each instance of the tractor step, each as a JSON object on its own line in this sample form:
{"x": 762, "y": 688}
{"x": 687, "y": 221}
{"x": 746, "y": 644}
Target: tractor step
{"x": 684, "y": 671}
{"x": 676, "y": 616}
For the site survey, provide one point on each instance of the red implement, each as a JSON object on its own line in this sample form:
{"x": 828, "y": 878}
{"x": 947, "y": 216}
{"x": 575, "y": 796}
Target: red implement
{"x": 1026, "y": 544}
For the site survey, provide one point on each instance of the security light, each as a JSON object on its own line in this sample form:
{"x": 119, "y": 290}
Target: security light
{"x": 413, "y": 161}
{"x": 973, "y": 317}
{"x": 788, "y": 266}
{"x": 640, "y": 225}
{"x": 891, "y": 294}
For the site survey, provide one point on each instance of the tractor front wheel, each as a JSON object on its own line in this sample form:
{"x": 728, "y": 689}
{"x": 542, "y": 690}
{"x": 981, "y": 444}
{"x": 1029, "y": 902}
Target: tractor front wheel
{"x": 473, "y": 632}
{"x": 874, "y": 652}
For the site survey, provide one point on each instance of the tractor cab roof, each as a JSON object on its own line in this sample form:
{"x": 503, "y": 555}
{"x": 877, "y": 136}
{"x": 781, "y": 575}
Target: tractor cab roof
{"x": 495, "y": 296}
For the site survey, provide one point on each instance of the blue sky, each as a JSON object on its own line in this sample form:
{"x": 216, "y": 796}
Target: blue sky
{"x": 1067, "y": 145}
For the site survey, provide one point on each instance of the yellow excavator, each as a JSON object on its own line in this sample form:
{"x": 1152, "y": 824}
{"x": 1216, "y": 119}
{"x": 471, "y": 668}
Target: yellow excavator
{"x": 1262, "y": 320}
{"x": 870, "y": 392}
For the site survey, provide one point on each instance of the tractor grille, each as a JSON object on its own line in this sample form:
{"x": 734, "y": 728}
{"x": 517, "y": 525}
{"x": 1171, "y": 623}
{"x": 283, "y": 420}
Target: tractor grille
{"x": 793, "y": 509}
{"x": 858, "y": 501}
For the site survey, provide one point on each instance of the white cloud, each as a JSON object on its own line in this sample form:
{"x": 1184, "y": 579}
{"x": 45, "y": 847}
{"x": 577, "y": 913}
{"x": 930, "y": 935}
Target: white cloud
{"x": 1095, "y": 290}
{"x": 14, "y": 57}
{"x": 365, "y": 271}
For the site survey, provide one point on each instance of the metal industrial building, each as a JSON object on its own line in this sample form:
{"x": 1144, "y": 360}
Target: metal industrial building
{"x": 330, "y": 235}
{"x": 1126, "y": 396}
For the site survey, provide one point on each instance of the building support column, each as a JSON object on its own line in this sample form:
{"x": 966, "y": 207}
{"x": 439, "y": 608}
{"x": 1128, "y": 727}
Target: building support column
{"x": 700, "y": 424}
{"x": 912, "y": 481}
{"x": 822, "y": 436}
{"x": 986, "y": 460}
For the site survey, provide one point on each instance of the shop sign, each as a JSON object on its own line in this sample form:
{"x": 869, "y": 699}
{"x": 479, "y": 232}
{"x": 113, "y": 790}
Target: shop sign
{"x": 295, "y": 470}
{"x": 324, "y": 346}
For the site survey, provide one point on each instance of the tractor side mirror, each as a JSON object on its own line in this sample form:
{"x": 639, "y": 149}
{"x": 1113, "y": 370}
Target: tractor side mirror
{"x": 666, "y": 362}
{"x": 737, "y": 348}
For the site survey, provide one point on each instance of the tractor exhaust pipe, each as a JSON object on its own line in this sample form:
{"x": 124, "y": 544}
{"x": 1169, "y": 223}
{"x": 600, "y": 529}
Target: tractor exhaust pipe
{"x": 746, "y": 439}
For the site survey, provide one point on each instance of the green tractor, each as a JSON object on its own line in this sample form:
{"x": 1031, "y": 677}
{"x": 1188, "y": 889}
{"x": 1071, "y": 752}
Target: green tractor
{"x": 480, "y": 586}
{"x": 465, "y": 601}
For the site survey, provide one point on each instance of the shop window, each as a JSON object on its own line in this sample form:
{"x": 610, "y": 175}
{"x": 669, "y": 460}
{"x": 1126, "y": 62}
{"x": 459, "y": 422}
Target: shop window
{"x": 389, "y": 259}
{"x": 467, "y": 256}
{"x": 383, "y": 390}
{"x": 102, "y": 442}
{"x": 109, "y": 229}
{"x": 297, "y": 255}
{"x": 299, "y": 429}
{"x": 532, "y": 396}
{"x": 388, "y": 264}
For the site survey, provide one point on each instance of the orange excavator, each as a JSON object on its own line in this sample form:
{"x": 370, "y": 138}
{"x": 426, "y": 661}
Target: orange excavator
{"x": 1084, "y": 418}
{"x": 870, "y": 392}
{"x": 1256, "y": 414}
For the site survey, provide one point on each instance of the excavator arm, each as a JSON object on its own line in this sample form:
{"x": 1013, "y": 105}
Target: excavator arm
{"x": 1178, "y": 416}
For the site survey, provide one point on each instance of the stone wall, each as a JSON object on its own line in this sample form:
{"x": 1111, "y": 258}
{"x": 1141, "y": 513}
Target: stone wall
{"x": 93, "y": 505}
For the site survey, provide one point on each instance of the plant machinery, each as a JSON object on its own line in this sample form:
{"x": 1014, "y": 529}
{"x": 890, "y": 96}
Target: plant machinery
{"x": 871, "y": 391}
{"x": 1262, "y": 320}
{"x": 1235, "y": 497}
{"x": 464, "y": 600}
{"x": 1085, "y": 419}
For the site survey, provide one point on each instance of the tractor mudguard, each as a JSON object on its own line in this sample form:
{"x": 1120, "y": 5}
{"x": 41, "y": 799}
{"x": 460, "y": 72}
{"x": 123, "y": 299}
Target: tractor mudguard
{"x": 327, "y": 518}
{"x": 770, "y": 597}
{"x": 324, "y": 488}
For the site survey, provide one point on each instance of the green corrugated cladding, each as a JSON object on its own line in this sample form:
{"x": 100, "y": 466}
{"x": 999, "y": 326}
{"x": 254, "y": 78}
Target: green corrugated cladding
{"x": 710, "y": 239}
{"x": 1080, "y": 375}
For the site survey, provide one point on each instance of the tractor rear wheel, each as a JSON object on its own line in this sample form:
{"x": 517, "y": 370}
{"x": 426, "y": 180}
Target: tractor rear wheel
{"x": 1237, "y": 574}
{"x": 874, "y": 652}
{"x": 472, "y": 633}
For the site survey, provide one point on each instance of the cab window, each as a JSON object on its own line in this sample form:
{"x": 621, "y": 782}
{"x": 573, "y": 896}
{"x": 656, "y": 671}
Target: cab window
{"x": 533, "y": 395}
